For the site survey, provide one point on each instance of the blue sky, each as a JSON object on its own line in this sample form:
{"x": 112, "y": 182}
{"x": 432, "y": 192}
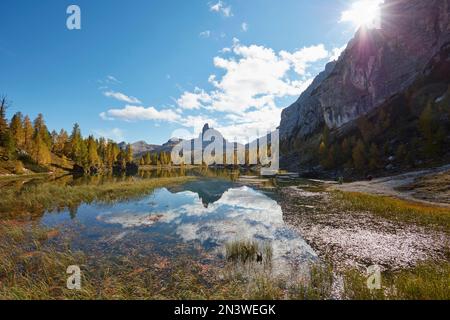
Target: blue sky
{"x": 146, "y": 69}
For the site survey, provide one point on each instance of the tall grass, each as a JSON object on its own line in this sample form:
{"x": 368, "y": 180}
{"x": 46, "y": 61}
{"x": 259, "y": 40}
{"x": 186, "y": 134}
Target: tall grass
{"x": 396, "y": 209}
{"x": 247, "y": 251}
{"x": 316, "y": 285}
{"x": 32, "y": 267}
{"x": 427, "y": 281}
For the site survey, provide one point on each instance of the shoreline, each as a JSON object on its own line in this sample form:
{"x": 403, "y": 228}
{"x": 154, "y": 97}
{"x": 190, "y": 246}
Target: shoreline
{"x": 401, "y": 186}
{"x": 351, "y": 237}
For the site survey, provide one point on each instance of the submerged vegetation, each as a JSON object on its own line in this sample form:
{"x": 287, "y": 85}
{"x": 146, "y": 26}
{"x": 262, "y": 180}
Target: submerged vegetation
{"x": 34, "y": 260}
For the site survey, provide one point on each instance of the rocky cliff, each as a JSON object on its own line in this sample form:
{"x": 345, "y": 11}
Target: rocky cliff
{"x": 376, "y": 65}
{"x": 305, "y": 115}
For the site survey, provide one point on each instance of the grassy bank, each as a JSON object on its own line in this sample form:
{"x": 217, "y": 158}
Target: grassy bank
{"x": 23, "y": 176}
{"x": 33, "y": 267}
{"x": 395, "y": 209}
{"x": 36, "y": 198}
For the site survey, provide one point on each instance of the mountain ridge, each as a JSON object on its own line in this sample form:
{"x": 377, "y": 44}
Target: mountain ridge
{"x": 400, "y": 66}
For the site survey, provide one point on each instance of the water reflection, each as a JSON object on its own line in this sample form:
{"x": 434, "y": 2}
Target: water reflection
{"x": 208, "y": 213}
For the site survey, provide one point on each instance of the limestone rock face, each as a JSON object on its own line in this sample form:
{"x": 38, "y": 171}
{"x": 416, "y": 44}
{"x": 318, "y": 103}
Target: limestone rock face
{"x": 376, "y": 65}
{"x": 381, "y": 63}
{"x": 305, "y": 115}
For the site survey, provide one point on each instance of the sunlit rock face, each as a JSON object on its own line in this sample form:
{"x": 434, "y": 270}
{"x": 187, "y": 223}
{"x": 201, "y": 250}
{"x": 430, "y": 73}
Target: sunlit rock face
{"x": 377, "y": 64}
{"x": 381, "y": 63}
{"x": 305, "y": 115}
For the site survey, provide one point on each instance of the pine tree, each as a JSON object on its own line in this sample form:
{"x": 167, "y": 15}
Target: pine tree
{"x": 401, "y": 153}
{"x": 8, "y": 144}
{"x": 359, "y": 156}
{"x": 326, "y": 136}
{"x": 346, "y": 152}
{"x": 366, "y": 129}
{"x": 374, "y": 157}
{"x": 427, "y": 127}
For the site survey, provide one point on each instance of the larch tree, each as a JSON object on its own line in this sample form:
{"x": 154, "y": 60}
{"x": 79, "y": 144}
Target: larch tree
{"x": 41, "y": 129}
{"x": 92, "y": 156}
{"x": 60, "y": 144}
{"x": 129, "y": 154}
{"x": 148, "y": 159}
{"x": 28, "y": 132}
{"x": 41, "y": 153}
{"x": 17, "y": 130}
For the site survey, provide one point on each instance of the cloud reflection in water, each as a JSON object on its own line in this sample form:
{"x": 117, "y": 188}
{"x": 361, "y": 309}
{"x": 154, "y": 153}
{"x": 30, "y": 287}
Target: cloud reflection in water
{"x": 240, "y": 213}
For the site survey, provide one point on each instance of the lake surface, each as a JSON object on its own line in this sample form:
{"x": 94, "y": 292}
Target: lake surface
{"x": 195, "y": 219}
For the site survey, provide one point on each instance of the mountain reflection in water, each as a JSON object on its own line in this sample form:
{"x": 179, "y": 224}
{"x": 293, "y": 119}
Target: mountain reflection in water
{"x": 207, "y": 212}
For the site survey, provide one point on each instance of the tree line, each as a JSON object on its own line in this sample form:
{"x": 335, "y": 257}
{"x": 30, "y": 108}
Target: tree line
{"x": 156, "y": 159}
{"x": 396, "y": 135}
{"x": 23, "y": 139}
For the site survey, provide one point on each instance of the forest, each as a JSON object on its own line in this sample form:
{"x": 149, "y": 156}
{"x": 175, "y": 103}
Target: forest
{"x": 29, "y": 144}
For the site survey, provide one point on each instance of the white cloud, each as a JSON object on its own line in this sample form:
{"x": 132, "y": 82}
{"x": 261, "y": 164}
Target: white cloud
{"x": 115, "y": 134}
{"x": 205, "y": 34}
{"x": 197, "y": 122}
{"x": 121, "y": 97}
{"x": 244, "y": 26}
{"x": 303, "y": 57}
{"x": 336, "y": 53}
{"x": 193, "y": 100}
{"x": 135, "y": 113}
{"x": 242, "y": 99}
{"x": 112, "y": 79}
{"x": 251, "y": 125}
{"x": 109, "y": 80}
{"x": 221, "y": 7}
{"x": 254, "y": 77}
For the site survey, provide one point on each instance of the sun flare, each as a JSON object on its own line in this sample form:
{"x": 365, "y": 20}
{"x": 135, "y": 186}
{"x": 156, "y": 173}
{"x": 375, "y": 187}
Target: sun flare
{"x": 363, "y": 13}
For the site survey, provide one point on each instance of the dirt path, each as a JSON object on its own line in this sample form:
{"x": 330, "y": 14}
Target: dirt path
{"x": 427, "y": 186}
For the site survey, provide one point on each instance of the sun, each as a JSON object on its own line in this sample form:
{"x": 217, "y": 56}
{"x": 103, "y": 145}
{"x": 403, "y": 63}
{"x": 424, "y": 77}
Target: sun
{"x": 363, "y": 13}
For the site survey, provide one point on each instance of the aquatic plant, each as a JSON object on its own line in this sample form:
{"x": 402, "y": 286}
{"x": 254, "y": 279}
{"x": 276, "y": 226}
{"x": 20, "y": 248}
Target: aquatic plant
{"x": 247, "y": 251}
